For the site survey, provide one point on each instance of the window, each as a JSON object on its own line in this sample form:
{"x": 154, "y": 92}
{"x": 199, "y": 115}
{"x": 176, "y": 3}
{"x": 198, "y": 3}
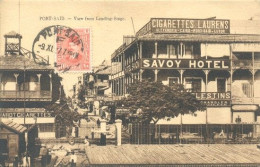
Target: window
{"x": 46, "y": 127}
{"x": 188, "y": 50}
{"x": 193, "y": 84}
{"x": 173, "y": 80}
{"x": 172, "y": 51}
{"x": 221, "y": 85}
{"x": 247, "y": 89}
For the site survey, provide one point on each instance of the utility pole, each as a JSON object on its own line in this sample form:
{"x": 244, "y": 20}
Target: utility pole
{"x": 24, "y": 93}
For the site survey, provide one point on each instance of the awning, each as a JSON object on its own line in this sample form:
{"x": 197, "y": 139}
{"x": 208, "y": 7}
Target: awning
{"x": 247, "y": 107}
{"x": 104, "y": 107}
{"x": 13, "y": 125}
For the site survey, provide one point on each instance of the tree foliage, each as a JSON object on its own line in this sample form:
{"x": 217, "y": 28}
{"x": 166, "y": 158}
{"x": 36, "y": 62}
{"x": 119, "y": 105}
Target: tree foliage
{"x": 157, "y": 101}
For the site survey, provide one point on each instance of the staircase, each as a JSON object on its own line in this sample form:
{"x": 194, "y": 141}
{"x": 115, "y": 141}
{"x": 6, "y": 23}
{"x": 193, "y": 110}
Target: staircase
{"x": 37, "y": 58}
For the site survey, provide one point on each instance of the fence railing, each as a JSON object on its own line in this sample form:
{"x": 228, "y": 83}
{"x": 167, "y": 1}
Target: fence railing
{"x": 243, "y": 63}
{"x": 24, "y": 94}
{"x": 200, "y": 134}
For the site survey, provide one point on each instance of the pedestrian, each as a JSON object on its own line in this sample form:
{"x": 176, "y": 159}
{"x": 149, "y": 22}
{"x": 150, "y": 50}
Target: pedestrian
{"x": 86, "y": 141}
{"x": 98, "y": 123}
{"x": 73, "y": 159}
{"x": 221, "y": 133}
{"x": 213, "y": 136}
{"x": 92, "y": 133}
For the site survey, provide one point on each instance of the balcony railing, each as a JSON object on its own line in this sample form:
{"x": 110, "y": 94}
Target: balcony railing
{"x": 243, "y": 63}
{"x": 101, "y": 84}
{"x": 25, "y": 95}
{"x": 257, "y": 64}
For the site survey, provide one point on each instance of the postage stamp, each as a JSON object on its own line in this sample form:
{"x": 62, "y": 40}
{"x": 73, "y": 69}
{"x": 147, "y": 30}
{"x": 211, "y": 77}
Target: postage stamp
{"x": 69, "y": 48}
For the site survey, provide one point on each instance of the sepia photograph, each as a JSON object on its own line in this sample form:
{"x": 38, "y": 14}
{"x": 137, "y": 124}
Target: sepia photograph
{"x": 129, "y": 83}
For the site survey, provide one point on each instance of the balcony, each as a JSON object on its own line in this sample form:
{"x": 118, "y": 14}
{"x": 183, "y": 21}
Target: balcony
{"x": 242, "y": 64}
{"x": 101, "y": 84}
{"x": 25, "y": 96}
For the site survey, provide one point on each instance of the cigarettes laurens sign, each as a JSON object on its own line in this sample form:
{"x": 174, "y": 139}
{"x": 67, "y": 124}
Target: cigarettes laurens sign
{"x": 185, "y": 64}
{"x": 179, "y": 25}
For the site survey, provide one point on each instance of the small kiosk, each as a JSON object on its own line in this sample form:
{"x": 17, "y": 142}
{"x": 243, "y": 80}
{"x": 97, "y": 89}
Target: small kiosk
{"x": 12, "y": 141}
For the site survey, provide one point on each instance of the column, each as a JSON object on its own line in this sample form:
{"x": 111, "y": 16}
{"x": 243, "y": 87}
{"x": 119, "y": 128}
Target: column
{"x": 206, "y": 84}
{"x": 253, "y": 78}
{"x": 155, "y": 75}
{"x": 5, "y": 46}
{"x": 231, "y": 77}
{"x": 112, "y": 85}
{"x": 118, "y": 132}
{"x": 1, "y": 74}
{"x": 123, "y": 85}
{"x": 141, "y": 50}
{"x": 119, "y": 86}
{"x": 181, "y": 76}
{"x": 141, "y": 75}
{"x": 206, "y": 72}
{"x": 50, "y": 83}
{"x": 253, "y": 83}
{"x": 103, "y": 132}
{"x": 156, "y": 49}
{"x": 181, "y": 49}
{"x": 16, "y": 85}
{"x": 103, "y": 124}
{"x": 39, "y": 82}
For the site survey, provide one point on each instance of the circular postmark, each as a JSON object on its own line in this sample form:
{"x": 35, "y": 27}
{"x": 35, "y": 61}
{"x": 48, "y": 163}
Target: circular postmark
{"x": 67, "y": 47}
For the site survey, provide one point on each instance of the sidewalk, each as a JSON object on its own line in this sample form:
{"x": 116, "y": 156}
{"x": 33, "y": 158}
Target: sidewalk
{"x": 187, "y": 155}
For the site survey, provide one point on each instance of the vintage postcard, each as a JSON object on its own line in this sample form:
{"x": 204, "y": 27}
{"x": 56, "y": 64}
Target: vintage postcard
{"x": 129, "y": 83}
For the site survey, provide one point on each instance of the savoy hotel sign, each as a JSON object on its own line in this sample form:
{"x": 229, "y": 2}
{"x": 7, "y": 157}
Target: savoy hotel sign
{"x": 150, "y": 63}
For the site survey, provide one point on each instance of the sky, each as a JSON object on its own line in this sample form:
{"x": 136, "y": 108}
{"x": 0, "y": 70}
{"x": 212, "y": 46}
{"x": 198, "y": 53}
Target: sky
{"x": 26, "y": 18}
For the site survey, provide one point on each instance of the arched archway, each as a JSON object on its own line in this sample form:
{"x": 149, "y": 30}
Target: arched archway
{"x": 9, "y": 81}
{"x": 148, "y": 75}
{"x": 168, "y": 77}
{"x": 256, "y": 83}
{"x": 60, "y": 127}
{"x": 242, "y": 84}
{"x": 219, "y": 81}
{"x": 33, "y": 78}
{"x": 45, "y": 82}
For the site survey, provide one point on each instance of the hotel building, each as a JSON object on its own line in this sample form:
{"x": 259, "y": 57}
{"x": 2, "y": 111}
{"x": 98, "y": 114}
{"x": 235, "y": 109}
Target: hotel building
{"x": 221, "y": 68}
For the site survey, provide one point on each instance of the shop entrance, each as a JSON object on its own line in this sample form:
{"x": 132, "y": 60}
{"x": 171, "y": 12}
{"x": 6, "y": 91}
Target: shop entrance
{"x": 3, "y": 151}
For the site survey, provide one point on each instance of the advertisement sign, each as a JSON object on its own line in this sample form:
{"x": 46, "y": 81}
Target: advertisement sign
{"x": 145, "y": 29}
{"x": 131, "y": 67}
{"x": 216, "y": 103}
{"x": 213, "y": 95}
{"x": 150, "y": 63}
{"x": 27, "y": 115}
{"x": 196, "y": 26}
{"x": 214, "y": 98}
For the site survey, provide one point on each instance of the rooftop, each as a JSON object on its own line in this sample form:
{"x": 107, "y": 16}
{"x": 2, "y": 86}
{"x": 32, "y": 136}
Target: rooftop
{"x": 19, "y": 62}
{"x": 196, "y": 154}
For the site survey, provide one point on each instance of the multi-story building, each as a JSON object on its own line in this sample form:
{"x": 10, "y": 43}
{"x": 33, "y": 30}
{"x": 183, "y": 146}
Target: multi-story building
{"x": 25, "y": 88}
{"x": 221, "y": 68}
{"x": 98, "y": 81}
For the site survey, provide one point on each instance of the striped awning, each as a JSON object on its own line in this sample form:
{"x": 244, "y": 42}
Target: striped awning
{"x": 13, "y": 126}
{"x": 247, "y": 107}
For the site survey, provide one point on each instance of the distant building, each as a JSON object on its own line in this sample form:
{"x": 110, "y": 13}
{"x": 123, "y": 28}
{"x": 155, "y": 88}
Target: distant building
{"x": 221, "y": 69}
{"x": 97, "y": 82}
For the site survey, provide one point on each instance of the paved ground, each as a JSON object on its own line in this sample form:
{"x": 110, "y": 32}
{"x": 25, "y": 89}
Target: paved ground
{"x": 200, "y": 154}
